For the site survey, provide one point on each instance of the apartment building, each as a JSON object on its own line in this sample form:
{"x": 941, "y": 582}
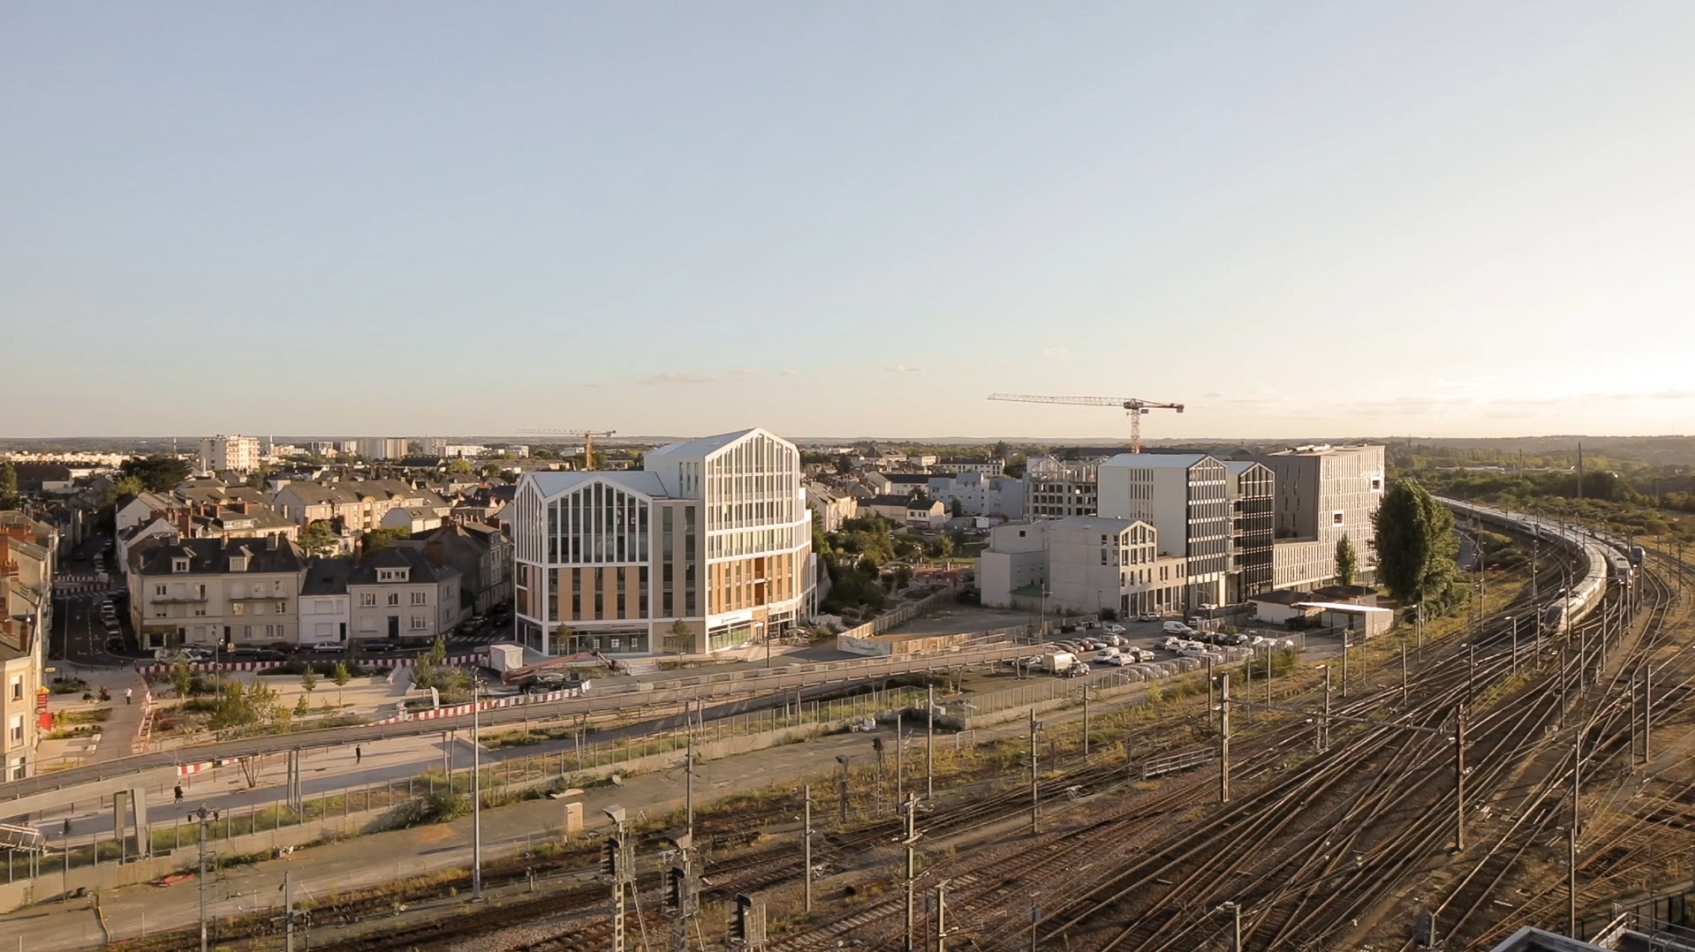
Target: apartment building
{"x": 211, "y": 591}
{"x": 401, "y": 595}
{"x": 707, "y": 547}
{"x": 381, "y": 447}
{"x": 1253, "y": 530}
{"x": 1322, "y": 494}
{"x": 359, "y": 505}
{"x": 1085, "y": 564}
{"x": 232, "y": 453}
{"x": 1186, "y": 497}
{"x": 1058, "y": 488}
{"x": 980, "y": 495}
{"x": 982, "y": 467}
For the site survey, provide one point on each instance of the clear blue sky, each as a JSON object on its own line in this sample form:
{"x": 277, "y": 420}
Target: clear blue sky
{"x": 406, "y": 218}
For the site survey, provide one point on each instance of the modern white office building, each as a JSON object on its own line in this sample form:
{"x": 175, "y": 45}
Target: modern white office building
{"x": 1187, "y": 498}
{"x": 1322, "y": 494}
{"x": 234, "y": 453}
{"x": 1084, "y": 564}
{"x": 709, "y": 546}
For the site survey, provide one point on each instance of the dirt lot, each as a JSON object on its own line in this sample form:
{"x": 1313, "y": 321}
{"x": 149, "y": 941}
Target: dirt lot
{"x": 962, "y": 618}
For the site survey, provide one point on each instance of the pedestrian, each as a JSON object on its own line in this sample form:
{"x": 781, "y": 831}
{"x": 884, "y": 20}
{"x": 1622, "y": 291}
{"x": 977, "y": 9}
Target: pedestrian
{"x": 127, "y": 693}
{"x": 358, "y": 755}
{"x": 179, "y": 793}
{"x": 67, "y": 827}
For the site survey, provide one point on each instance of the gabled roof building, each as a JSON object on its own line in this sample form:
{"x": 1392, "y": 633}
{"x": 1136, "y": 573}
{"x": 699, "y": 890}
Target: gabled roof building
{"x": 708, "y": 547}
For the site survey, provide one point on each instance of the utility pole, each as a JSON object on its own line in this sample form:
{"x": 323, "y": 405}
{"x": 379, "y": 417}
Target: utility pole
{"x": 1571, "y": 858}
{"x": 1035, "y": 793}
{"x": 1224, "y": 737}
{"x": 1345, "y": 646}
{"x": 942, "y": 916}
{"x": 620, "y": 868}
{"x": 688, "y": 770}
{"x": 1633, "y": 680}
{"x": 684, "y": 898}
{"x": 806, "y": 838}
{"x": 930, "y": 742}
{"x": 1459, "y": 780}
{"x": 1235, "y": 910}
{"x": 911, "y": 843}
{"x": 288, "y": 912}
{"x": 1471, "y": 679}
{"x": 900, "y": 756}
{"x": 843, "y": 760}
{"x": 1085, "y": 723}
{"x": 202, "y": 815}
{"x": 1514, "y": 620}
{"x": 1403, "y": 671}
{"x": 1324, "y": 729}
{"x": 1647, "y": 713}
{"x": 476, "y": 791}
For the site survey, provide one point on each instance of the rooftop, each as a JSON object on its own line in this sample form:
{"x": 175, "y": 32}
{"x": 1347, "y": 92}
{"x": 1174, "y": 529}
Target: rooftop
{"x": 551, "y": 484}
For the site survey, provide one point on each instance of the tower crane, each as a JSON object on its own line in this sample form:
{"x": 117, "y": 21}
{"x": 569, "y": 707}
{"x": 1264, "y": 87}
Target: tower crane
{"x": 588, "y": 437}
{"x": 1132, "y": 405}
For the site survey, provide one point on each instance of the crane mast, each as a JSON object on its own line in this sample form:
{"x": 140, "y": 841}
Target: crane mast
{"x": 1134, "y": 406}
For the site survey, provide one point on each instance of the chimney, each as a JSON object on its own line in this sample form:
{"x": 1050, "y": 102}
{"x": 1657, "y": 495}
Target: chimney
{"x": 434, "y": 551}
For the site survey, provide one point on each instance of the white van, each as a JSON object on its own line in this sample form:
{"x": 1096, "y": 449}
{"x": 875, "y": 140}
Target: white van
{"x": 1176, "y": 628}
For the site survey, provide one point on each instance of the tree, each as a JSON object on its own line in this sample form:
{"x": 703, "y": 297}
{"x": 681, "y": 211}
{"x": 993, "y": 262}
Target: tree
{"x": 1415, "y": 545}
{"x": 309, "y": 679}
{"x": 158, "y": 472}
{"x": 340, "y": 675}
{"x": 460, "y": 467}
{"x": 302, "y": 707}
{"x": 679, "y": 632}
{"x": 378, "y": 539}
{"x": 1347, "y": 563}
{"x": 8, "y": 486}
{"x": 320, "y": 539}
{"x": 182, "y": 678}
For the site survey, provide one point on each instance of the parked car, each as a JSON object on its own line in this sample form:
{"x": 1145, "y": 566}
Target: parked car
{"x": 1176, "y": 628}
{"x": 379, "y": 647}
{"x": 1148, "y": 616}
{"x": 1196, "y": 621}
{"x": 1076, "y": 671}
{"x": 281, "y": 647}
{"x": 327, "y": 647}
{"x": 1106, "y": 653}
{"x": 1112, "y": 628}
{"x": 198, "y": 653}
{"x": 1208, "y": 606}
{"x": 1192, "y": 651}
{"x": 115, "y": 643}
{"x": 1169, "y": 643}
{"x": 270, "y": 654}
{"x": 1117, "y": 641}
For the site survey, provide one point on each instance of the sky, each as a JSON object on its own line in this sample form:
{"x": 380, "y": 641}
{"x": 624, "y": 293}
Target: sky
{"x": 1335, "y": 218}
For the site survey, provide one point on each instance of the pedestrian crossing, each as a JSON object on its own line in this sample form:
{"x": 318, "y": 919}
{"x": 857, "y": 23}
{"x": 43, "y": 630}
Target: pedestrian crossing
{"x": 84, "y": 585}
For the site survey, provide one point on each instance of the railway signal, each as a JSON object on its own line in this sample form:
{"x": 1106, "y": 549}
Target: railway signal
{"x": 619, "y": 866}
{"x": 747, "y": 923}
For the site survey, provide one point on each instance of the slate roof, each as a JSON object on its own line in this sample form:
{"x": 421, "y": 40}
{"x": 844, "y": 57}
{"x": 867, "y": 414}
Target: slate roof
{"x": 701, "y": 446}
{"x": 398, "y": 556}
{"x": 212, "y": 556}
{"x": 551, "y": 484}
{"x": 327, "y": 577}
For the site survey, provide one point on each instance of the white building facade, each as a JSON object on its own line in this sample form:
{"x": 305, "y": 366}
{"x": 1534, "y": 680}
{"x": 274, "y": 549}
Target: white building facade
{"x": 237, "y": 453}
{"x": 1187, "y": 498}
{"x": 708, "y": 547}
{"x": 1056, "y": 488}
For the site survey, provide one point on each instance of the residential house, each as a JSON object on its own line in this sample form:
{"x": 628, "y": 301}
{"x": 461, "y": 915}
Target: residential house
{"x": 21, "y": 697}
{"x": 326, "y": 606}
{"x": 892, "y": 508}
{"x": 483, "y": 556}
{"x": 922, "y": 512}
{"x": 829, "y": 507}
{"x": 983, "y": 467}
{"x": 400, "y": 595}
{"x": 980, "y": 495}
{"x": 215, "y": 591}
{"x": 414, "y": 519}
{"x": 143, "y": 508}
{"x": 897, "y": 484}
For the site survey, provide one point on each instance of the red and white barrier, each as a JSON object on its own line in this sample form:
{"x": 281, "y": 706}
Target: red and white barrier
{"x": 459, "y": 710}
{"x": 266, "y": 665}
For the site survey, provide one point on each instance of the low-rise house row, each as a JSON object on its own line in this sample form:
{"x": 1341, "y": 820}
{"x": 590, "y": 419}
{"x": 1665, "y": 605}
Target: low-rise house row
{"x": 402, "y": 595}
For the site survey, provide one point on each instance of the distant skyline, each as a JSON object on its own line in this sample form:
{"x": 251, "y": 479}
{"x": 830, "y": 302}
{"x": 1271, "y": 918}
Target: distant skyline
{"x": 1443, "y": 219}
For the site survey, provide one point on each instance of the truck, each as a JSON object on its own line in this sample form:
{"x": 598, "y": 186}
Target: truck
{"x": 1056, "y": 662}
